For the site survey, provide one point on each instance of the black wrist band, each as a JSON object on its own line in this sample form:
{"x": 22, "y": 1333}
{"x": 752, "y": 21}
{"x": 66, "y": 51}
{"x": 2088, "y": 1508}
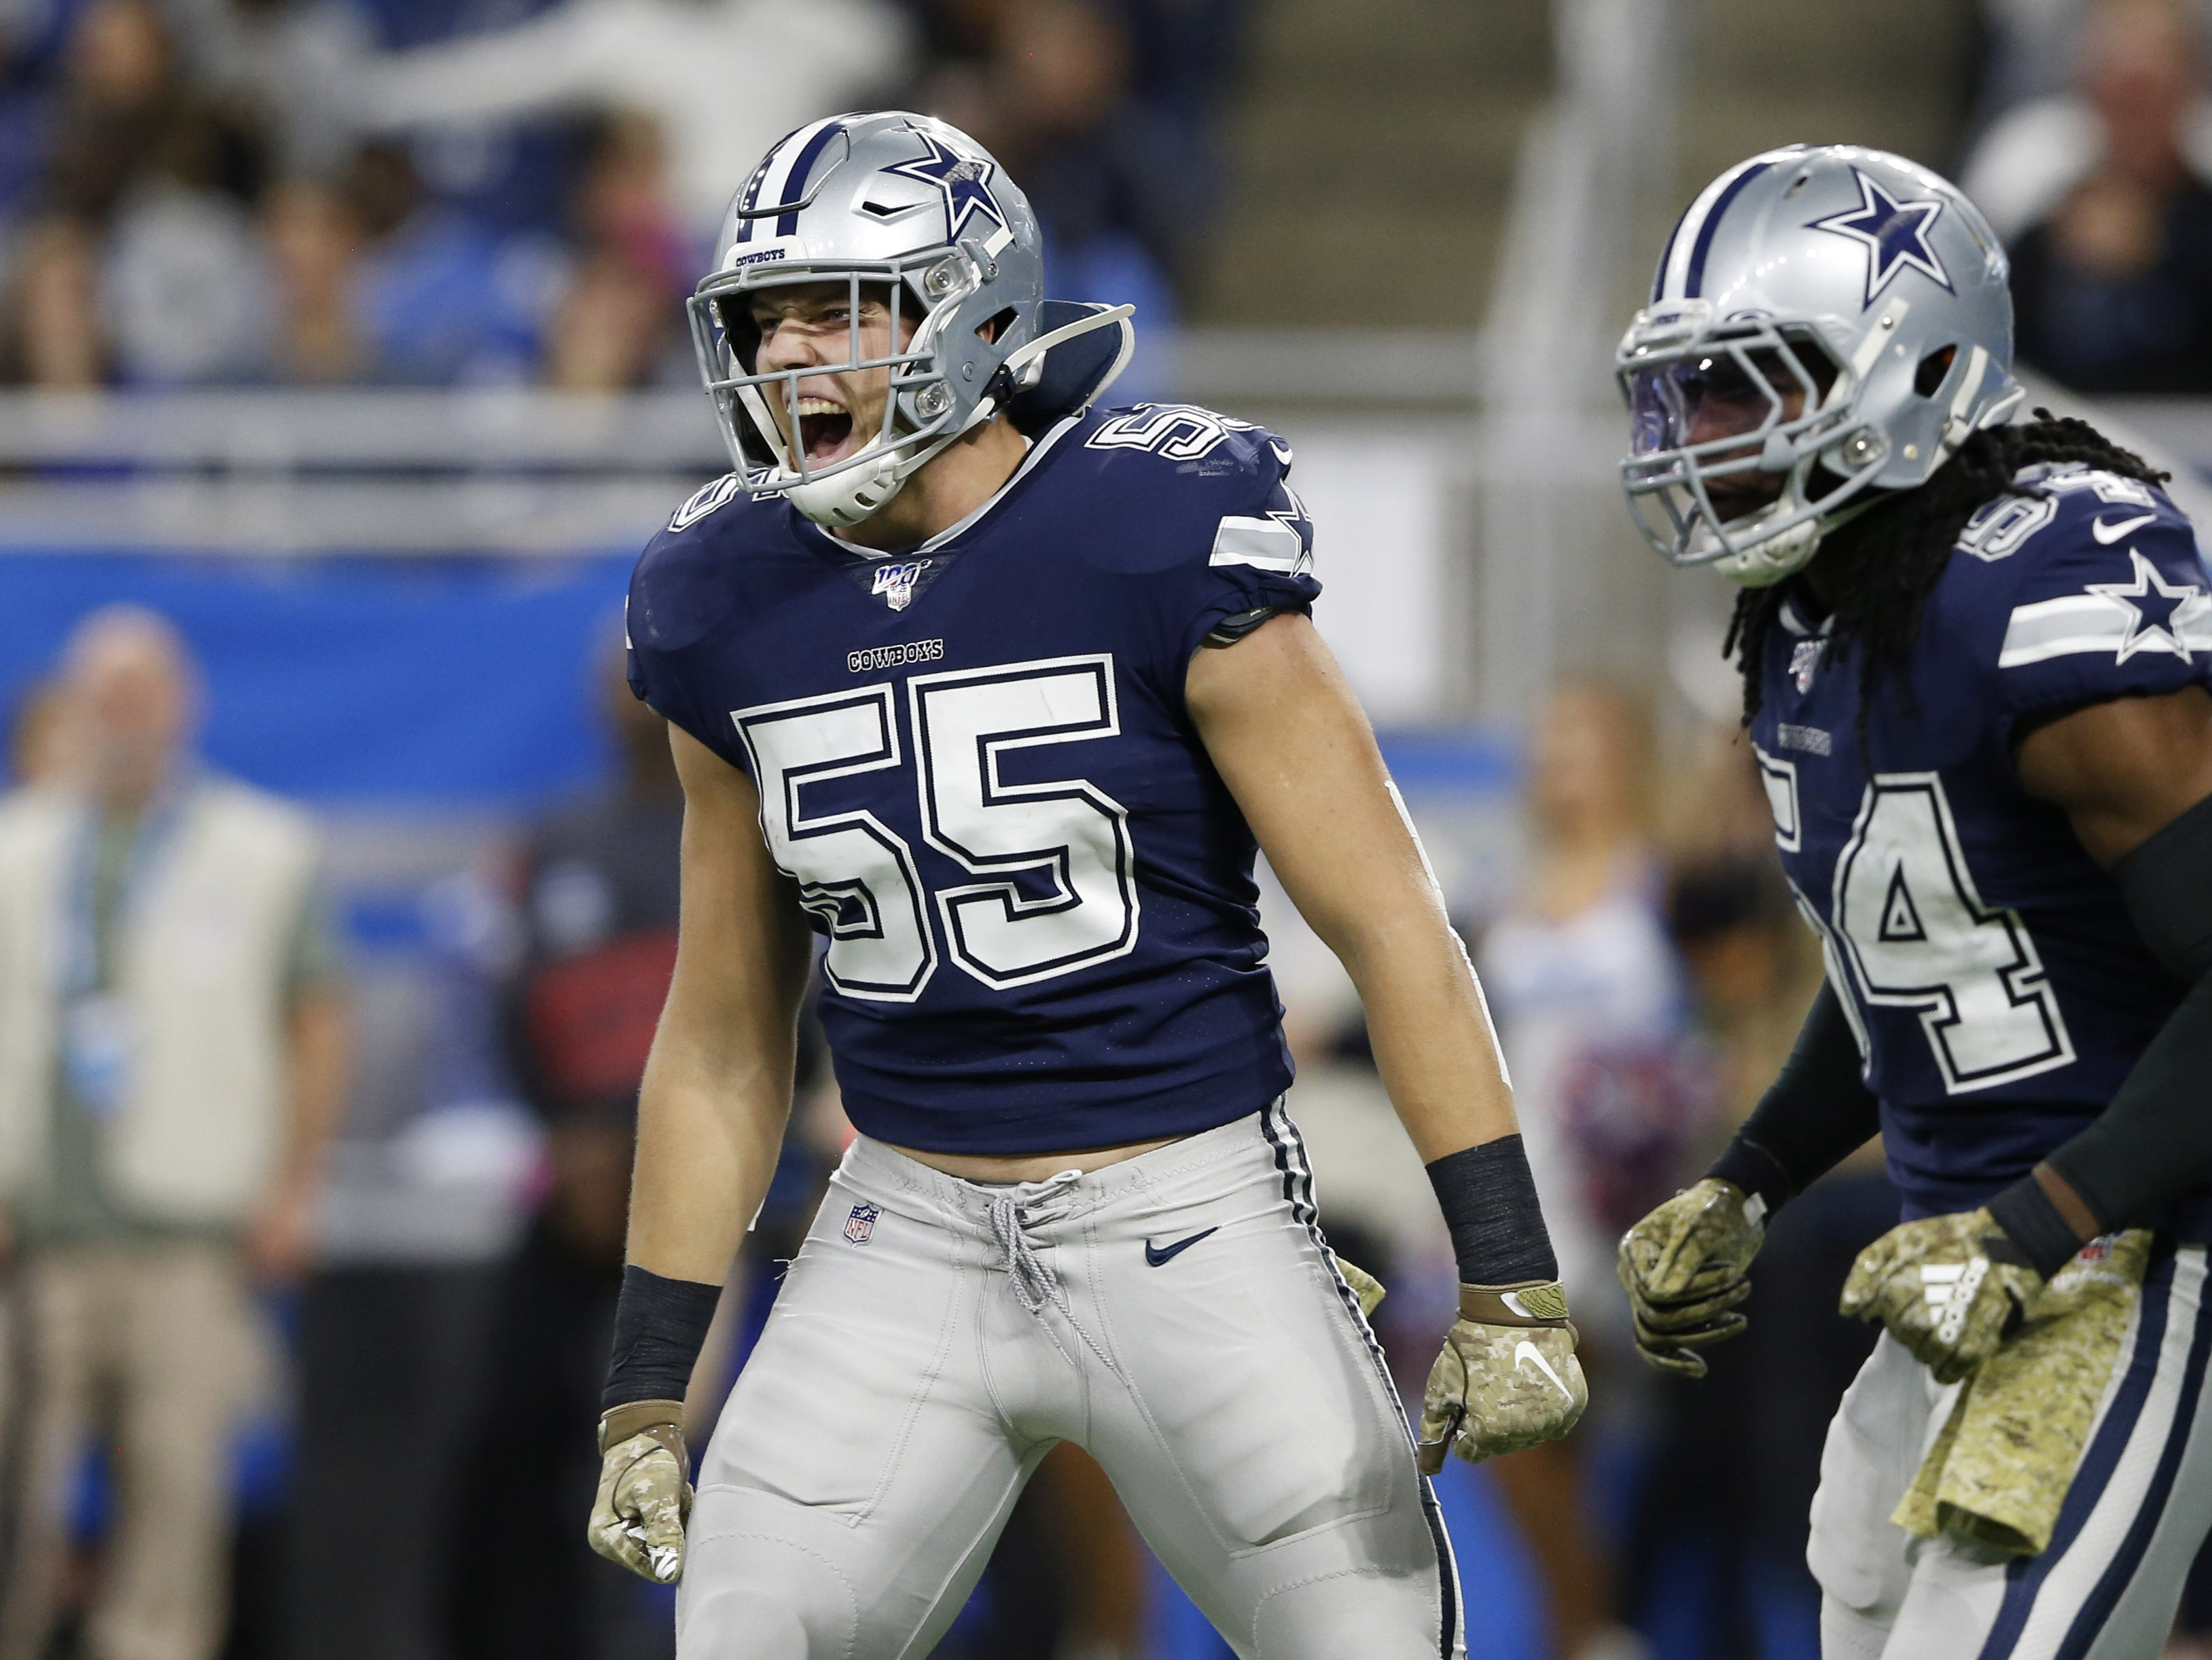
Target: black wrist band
{"x": 1489, "y": 1202}
{"x": 2032, "y": 1222}
{"x": 660, "y": 1325}
{"x": 1756, "y": 1171}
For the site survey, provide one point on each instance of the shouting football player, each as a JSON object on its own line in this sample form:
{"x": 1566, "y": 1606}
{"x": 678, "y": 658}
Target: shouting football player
{"x": 1974, "y": 658}
{"x": 996, "y": 694}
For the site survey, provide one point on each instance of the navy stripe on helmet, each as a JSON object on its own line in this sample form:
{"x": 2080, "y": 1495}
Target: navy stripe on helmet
{"x": 794, "y": 186}
{"x": 2097, "y": 1608}
{"x": 2025, "y": 1577}
{"x": 750, "y": 194}
{"x": 1695, "y": 277}
{"x": 1659, "y": 276}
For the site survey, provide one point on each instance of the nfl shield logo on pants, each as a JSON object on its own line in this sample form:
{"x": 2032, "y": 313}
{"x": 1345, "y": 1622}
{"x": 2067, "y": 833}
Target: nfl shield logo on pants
{"x": 861, "y": 1223}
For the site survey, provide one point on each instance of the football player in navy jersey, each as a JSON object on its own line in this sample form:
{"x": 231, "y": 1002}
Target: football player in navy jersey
{"x": 997, "y": 693}
{"x": 1975, "y": 658}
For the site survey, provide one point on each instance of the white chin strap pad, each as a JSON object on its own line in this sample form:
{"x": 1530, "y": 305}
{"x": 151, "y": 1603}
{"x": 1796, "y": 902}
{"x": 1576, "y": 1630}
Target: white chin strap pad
{"x": 848, "y": 497}
{"x": 1765, "y": 563}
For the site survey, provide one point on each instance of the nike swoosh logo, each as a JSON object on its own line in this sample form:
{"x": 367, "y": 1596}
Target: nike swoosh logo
{"x": 1155, "y": 1257}
{"x": 2106, "y": 535}
{"x": 1524, "y": 1351}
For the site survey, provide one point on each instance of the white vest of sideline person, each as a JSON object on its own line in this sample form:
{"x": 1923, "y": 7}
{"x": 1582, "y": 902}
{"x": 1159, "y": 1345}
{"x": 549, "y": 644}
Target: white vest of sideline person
{"x": 199, "y": 1123}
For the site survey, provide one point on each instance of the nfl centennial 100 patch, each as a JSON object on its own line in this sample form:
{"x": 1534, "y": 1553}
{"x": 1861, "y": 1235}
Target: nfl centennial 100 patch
{"x": 861, "y": 1223}
{"x": 899, "y": 582}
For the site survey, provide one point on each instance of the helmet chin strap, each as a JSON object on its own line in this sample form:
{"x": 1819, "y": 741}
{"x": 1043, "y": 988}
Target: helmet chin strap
{"x": 1789, "y": 551}
{"x": 861, "y": 491}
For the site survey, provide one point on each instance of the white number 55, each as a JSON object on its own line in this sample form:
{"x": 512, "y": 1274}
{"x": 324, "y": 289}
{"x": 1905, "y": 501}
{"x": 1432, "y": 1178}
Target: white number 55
{"x": 1054, "y": 888}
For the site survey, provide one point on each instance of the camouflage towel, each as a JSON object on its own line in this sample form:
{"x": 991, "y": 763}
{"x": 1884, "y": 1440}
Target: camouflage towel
{"x": 2000, "y": 1469}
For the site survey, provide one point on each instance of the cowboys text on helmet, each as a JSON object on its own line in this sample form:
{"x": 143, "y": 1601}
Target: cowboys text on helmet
{"x": 1826, "y": 323}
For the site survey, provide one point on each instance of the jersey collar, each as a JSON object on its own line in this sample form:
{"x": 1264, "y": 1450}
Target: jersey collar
{"x": 951, "y": 533}
{"x": 1796, "y": 624}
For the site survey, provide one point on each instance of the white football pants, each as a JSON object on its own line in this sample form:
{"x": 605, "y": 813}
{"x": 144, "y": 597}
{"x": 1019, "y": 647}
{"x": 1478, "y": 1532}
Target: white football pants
{"x": 1177, "y": 1315}
{"x": 2139, "y": 1506}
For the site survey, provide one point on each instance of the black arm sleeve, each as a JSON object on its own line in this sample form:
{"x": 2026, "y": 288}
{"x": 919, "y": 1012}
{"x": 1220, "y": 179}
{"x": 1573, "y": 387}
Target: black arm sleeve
{"x": 2154, "y": 1141}
{"x": 1817, "y": 1114}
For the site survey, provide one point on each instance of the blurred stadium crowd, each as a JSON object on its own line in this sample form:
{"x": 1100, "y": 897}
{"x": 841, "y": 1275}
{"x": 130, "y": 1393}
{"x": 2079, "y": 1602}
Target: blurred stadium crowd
{"x": 470, "y": 192}
{"x": 462, "y": 193}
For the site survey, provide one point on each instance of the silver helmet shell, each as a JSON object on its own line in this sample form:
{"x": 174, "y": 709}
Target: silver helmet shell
{"x": 1862, "y": 299}
{"x": 906, "y": 209}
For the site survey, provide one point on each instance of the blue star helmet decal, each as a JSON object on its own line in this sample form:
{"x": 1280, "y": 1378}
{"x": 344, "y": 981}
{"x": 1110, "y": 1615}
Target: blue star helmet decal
{"x": 964, "y": 181}
{"x": 1893, "y": 232}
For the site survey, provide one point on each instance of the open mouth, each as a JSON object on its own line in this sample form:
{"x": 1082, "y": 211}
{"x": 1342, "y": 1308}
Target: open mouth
{"x": 825, "y": 430}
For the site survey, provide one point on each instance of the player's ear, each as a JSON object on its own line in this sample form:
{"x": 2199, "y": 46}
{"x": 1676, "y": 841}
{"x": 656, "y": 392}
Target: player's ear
{"x": 991, "y": 327}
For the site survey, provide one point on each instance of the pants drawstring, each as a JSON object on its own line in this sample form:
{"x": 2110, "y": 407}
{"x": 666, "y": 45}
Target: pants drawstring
{"x": 1034, "y": 1281}
{"x": 1037, "y": 1288}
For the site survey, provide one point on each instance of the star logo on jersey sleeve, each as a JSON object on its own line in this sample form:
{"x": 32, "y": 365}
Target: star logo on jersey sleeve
{"x": 965, "y": 182}
{"x": 1893, "y": 232}
{"x": 2160, "y": 613}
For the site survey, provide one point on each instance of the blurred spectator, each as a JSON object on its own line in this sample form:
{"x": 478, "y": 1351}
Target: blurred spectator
{"x": 53, "y": 336}
{"x": 1580, "y": 973}
{"x": 615, "y": 325}
{"x": 1717, "y": 1561}
{"x": 41, "y": 744}
{"x": 1113, "y": 191}
{"x": 1582, "y": 963}
{"x": 313, "y": 240}
{"x": 119, "y": 92}
{"x": 173, "y": 1065}
{"x": 439, "y": 300}
{"x": 2112, "y": 271}
{"x": 290, "y": 67}
{"x": 2046, "y": 135}
{"x": 599, "y": 884}
{"x": 185, "y": 291}
{"x": 377, "y": 283}
{"x": 1180, "y": 58}
{"x": 144, "y": 265}
{"x": 724, "y": 78}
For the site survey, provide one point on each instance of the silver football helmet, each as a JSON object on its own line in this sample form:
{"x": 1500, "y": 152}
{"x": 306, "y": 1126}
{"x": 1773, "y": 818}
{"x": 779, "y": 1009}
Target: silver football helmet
{"x": 1826, "y": 321}
{"x": 908, "y": 212}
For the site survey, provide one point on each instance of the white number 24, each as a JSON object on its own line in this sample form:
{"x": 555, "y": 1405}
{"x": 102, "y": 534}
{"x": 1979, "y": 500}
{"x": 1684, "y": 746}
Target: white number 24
{"x": 1053, "y": 887}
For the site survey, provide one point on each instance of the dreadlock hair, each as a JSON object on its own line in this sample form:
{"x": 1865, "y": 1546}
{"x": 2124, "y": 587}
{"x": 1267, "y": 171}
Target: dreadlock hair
{"x": 1878, "y": 571}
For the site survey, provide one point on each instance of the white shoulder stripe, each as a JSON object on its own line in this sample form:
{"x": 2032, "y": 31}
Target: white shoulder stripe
{"x": 2091, "y": 623}
{"x": 1267, "y": 544}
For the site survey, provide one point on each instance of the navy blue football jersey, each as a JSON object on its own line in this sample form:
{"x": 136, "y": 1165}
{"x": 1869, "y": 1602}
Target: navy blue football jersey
{"x": 1999, "y": 991}
{"x": 1042, "y": 931}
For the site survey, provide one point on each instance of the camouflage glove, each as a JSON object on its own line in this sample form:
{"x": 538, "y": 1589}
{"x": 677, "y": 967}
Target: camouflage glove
{"x": 1365, "y": 1286}
{"x": 645, "y": 1490}
{"x": 1507, "y": 1378}
{"x": 1950, "y": 1288}
{"x": 1683, "y": 1269}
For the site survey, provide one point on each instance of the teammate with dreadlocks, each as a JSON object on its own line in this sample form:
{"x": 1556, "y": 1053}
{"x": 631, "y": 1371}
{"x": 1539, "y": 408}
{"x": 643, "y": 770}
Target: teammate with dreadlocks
{"x": 1975, "y": 658}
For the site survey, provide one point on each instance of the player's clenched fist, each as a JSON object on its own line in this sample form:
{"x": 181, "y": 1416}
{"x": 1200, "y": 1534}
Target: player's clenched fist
{"x": 645, "y": 1493}
{"x": 1950, "y": 1288}
{"x": 1507, "y": 1378}
{"x": 1683, "y": 1269}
